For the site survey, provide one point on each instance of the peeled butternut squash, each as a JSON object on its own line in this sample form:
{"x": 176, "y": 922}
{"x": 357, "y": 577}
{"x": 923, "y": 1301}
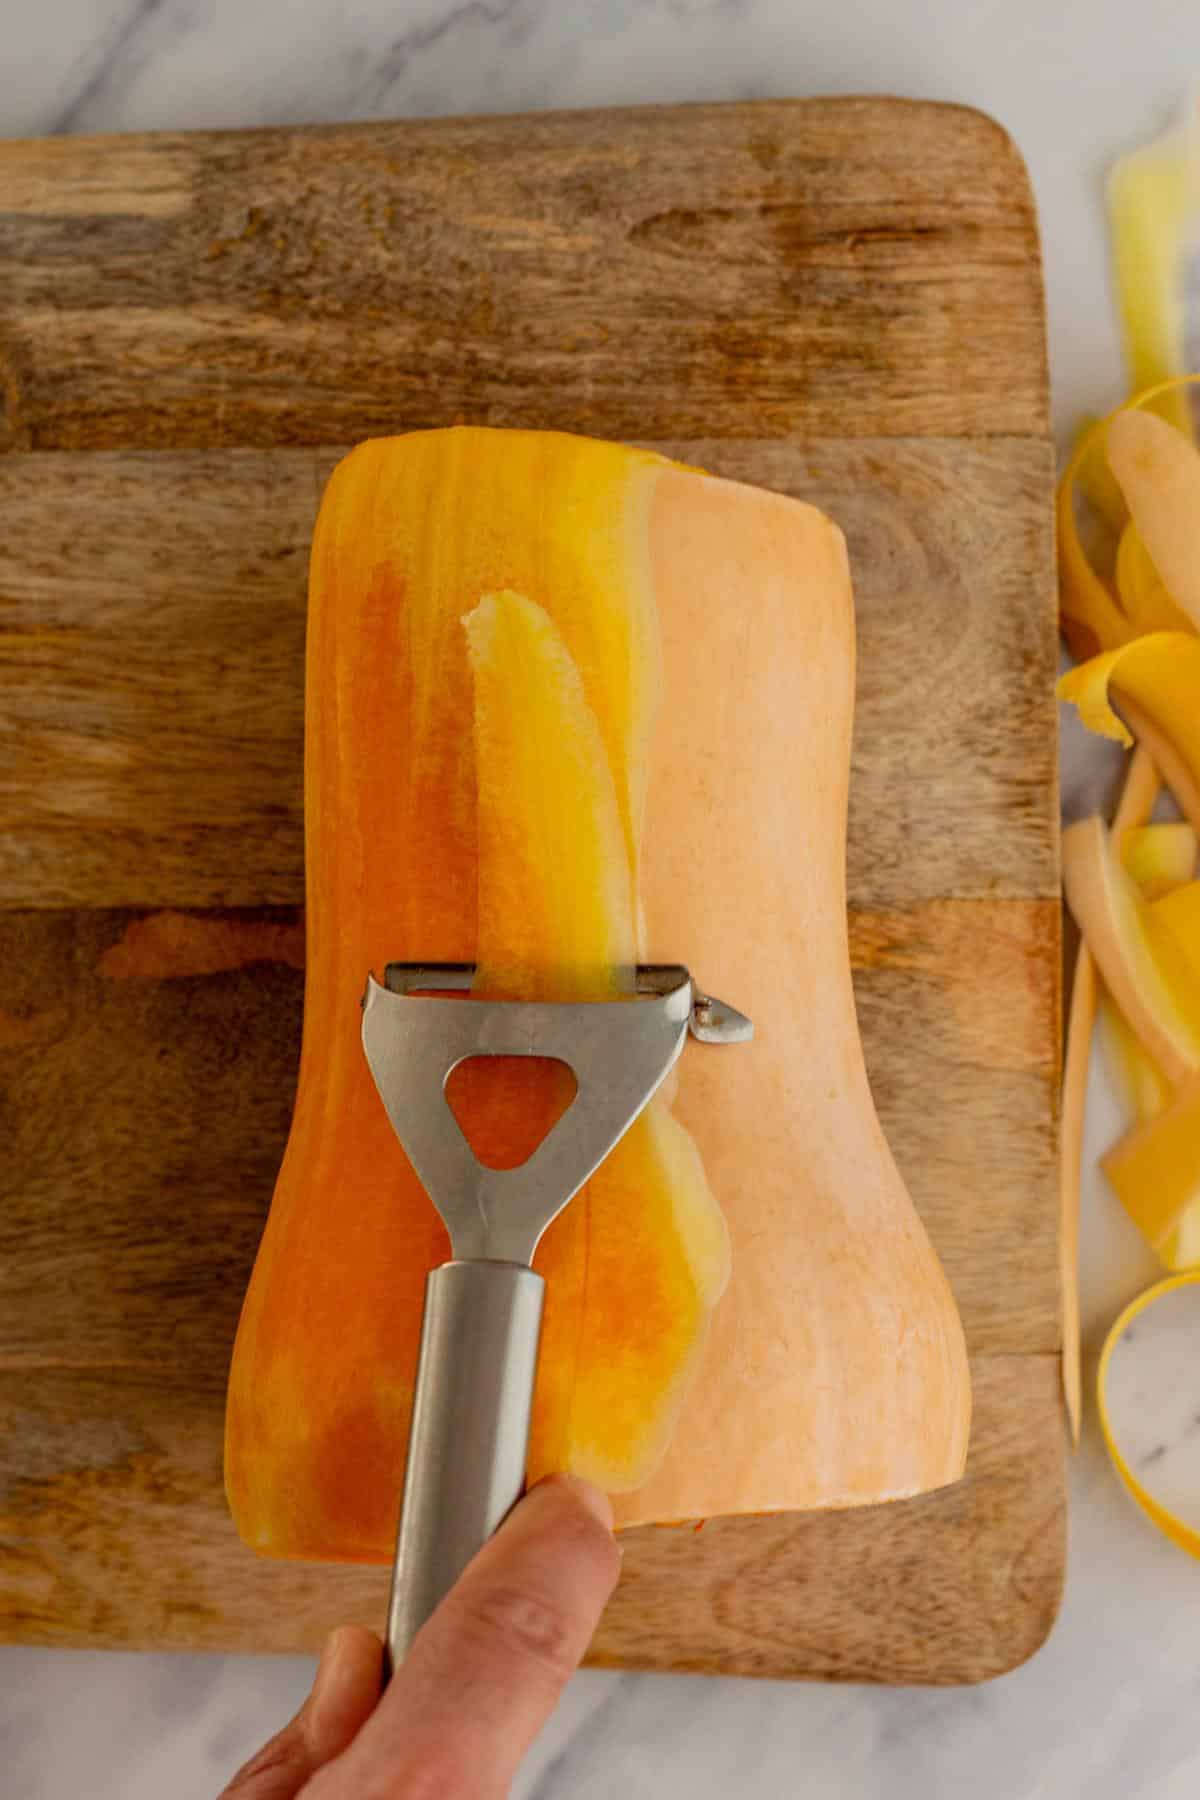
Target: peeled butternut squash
{"x": 570, "y": 706}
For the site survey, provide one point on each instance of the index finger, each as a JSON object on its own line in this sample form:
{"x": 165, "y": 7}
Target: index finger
{"x": 486, "y": 1672}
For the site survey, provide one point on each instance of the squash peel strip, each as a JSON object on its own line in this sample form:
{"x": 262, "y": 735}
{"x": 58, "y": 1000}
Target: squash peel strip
{"x": 1136, "y": 804}
{"x": 1100, "y": 613}
{"x": 1144, "y": 967}
{"x": 1146, "y": 1094}
{"x": 1185, "y": 1536}
{"x": 1153, "y": 195}
{"x": 1155, "y": 1169}
{"x": 1154, "y": 682}
{"x": 1158, "y": 470}
{"x": 1160, "y": 857}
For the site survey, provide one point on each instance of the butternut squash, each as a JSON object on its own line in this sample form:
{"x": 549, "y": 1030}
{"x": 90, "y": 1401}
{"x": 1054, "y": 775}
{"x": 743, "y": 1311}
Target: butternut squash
{"x": 571, "y": 705}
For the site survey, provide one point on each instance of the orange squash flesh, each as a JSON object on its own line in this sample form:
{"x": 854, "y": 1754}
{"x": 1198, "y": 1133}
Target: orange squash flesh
{"x": 509, "y": 761}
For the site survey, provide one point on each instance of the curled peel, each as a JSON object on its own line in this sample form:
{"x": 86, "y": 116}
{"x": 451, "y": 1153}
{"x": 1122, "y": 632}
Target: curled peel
{"x": 1160, "y": 857}
{"x": 1136, "y": 804}
{"x": 1139, "y": 957}
{"x": 1178, "y": 913}
{"x": 1149, "y": 956}
{"x": 1091, "y": 616}
{"x": 1144, "y": 594}
{"x": 1155, "y": 683}
{"x": 1152, "y": 1189}
{"x": 1092, "y": 477}
{"x": 1155, "y": 1168}
{"x": 1173, "y": 1527}
{"x": 1139, "y": 475}
{"x": 1158, "y": 470}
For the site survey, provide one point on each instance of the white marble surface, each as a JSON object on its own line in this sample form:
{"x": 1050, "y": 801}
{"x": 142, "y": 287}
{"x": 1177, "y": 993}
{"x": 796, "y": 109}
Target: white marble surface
{"x": 1108, "y": 1709}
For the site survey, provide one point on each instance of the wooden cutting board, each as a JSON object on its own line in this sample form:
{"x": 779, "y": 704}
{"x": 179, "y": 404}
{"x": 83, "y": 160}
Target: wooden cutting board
{"x": 841, "y": 299}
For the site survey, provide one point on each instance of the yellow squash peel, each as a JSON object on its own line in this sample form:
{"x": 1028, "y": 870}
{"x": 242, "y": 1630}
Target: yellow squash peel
{"x": 1153, "y": 205}
{"x": 1180, "y": 1533}
{"x": 1155, "y": 1169}
{"x": 1150, "y": 685}
{"x": 1160, "y": 857}
{"x": 1158, "y": 470}
{"x": 1143, "y": 965}
{"x": 1117, "y": 591}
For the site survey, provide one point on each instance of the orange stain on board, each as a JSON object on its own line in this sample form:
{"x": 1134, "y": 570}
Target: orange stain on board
{"x": 17, "y": 1029}
{"x": 168, "y": 946}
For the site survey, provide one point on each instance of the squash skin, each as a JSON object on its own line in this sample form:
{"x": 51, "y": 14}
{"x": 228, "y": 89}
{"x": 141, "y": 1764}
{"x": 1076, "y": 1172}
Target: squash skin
{"x": 835, "y": 1374}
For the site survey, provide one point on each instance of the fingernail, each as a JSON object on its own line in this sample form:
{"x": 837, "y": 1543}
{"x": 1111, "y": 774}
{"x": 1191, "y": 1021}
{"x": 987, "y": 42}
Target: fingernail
{"x": 597, "y": 1502}
{"x": 326, "y": 1678}
{"x": 593, "y": 1498}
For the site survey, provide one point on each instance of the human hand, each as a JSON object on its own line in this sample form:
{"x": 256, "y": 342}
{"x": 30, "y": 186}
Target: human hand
{"x": 481, "y": 1679}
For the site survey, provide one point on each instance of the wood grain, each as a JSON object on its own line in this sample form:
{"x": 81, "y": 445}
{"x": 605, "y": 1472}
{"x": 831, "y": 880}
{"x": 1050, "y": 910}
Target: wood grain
{"x": 856, "y": 1596}
{"x": 847, "y": 268}
{"x": 839, "y": 299}
{"x": 149, "y": 1173}
{"x": 112, "y": 1537}
{"x": 151, "y": 674}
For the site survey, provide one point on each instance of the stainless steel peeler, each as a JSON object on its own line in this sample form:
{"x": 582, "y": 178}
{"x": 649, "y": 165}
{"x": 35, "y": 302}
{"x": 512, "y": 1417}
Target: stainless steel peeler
{"x": 483, "y": 1310}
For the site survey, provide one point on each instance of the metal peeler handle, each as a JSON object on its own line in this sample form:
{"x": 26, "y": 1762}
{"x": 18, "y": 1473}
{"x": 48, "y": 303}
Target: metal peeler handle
{"x": 470, "y": 1431}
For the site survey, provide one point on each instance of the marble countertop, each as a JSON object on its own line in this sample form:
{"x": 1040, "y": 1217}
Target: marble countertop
{"x": 1107, "y": 1710}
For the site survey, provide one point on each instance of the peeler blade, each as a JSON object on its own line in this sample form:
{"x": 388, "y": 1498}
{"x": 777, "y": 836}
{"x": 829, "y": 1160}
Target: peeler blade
{"x": 418, "y": 1026}
{"x": 619, "y": 1052}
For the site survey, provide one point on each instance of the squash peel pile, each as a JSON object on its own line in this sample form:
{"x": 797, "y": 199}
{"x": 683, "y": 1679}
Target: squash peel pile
{"x": 1133, "y": 891}
{"x": 1128, "y": 519}
{"x": 1132, "y": 610}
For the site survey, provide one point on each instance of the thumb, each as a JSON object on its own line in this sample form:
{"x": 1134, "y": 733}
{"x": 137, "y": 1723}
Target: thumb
{"x": 484, "y": 1674}
{"x": 344, "y": 1694}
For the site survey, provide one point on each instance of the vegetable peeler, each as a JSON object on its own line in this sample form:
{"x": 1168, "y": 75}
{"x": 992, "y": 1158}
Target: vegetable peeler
{"x": 473, "y": 1396}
